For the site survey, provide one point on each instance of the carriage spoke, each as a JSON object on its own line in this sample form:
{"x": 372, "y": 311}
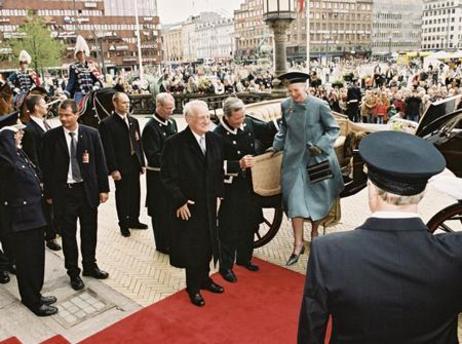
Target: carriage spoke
{"x": 446, "y": 228}
{"x": 267, "y": 222}
{"x": 258, "y": 235}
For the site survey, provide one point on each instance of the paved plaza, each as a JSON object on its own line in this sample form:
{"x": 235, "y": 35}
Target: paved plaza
{"x": 139, "y": 275}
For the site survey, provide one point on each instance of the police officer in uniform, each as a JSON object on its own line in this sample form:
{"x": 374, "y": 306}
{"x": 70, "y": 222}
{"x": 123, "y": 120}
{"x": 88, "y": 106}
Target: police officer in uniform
{"x": 353, "y": 100}
{"x": 239, "y": 213}
{"x": 23, "y": 219}
{"x": 82, "y": 79}
{"x": 390, "y": 280}
{"x": 23, "y": 80}
{"x": 160, "y": 127}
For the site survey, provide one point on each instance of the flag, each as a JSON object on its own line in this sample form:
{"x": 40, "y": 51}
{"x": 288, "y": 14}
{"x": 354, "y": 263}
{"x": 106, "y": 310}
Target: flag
{"x": 300, "y": 6}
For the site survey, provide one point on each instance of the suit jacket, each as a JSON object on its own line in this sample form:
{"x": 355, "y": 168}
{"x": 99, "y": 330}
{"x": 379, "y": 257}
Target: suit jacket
{"x": 189, "y": 175}
{"x": 389, "y": 281}
{"x": 115, "y": 136}
{"x": 55, "y": 165}
{"x": 32, "y": 143}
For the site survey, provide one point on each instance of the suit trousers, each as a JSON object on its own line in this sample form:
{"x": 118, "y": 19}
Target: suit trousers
{"x": 128, "y": 196}
{"x": 50, "y": 229}
{"x": 6, "y": 253}
{"x": 29, "y": 252}
{"x": 4, "y": 262}
{"x": 235, "y": 244}
{"x": 76, "y": 207}
{"x": 197, "y": 276}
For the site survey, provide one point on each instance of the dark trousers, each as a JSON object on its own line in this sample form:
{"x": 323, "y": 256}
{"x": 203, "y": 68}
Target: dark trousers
{"x": 353, "y": 112}
{"x": 50, "y": 229}
{"x": 4, "y": 262}
{"x": 29, "y": 253}
{"x": 75, "y": 206}
{"x": 6, "y": 253}
{"x": 235, "y": 244}
{"x": 197, "y": 277}
{"x": 160, "y": 226}
{"x": 128, "y": 197}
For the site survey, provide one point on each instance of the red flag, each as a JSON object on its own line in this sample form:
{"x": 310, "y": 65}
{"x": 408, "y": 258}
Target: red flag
{"x": 301, "y": 5}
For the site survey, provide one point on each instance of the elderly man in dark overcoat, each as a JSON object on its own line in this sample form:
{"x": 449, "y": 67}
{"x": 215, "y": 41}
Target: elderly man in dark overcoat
{"x": 192, "y": 173}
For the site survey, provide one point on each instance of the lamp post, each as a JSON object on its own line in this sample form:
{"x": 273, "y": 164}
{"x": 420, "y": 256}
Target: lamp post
{"x": 278, "y": 14}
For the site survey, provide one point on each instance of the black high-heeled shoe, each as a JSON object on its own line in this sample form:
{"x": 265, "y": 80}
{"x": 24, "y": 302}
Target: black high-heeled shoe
{"x": 294, "y": 257}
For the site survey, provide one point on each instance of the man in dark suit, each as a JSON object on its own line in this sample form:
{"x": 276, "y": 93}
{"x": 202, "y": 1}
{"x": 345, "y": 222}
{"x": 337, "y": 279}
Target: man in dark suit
{"x": 22, "y": 217}
{"x": 239, "y": 133}
{"x": 121, "y": 138}
{"x": 32, "y": 144}
{"x": 353, "y": 100}
{"x": 158, "y": 129}
{"x": 192, "y": 173}
{"x": 390, "y": 280}
{"x": 75, "y": 180}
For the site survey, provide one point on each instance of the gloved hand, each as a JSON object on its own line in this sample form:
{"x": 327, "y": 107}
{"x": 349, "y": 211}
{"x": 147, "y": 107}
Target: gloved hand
{"x": 315, "y": 150}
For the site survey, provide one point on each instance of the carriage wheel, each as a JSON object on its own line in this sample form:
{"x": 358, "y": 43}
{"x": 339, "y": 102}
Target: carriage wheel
{"x": 267, "y": 230}
{"x": 447, "y": 219}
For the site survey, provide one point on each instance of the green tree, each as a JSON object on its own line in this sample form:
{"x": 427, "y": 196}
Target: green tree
{"x": 37, "y": 41}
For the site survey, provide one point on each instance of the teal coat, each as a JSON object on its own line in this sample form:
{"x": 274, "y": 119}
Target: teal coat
{"x": 304, "y": 124}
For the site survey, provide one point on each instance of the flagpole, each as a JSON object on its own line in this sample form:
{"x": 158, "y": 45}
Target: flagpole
{"x": 138, "y": 41}
{"x": 307, "y": 4}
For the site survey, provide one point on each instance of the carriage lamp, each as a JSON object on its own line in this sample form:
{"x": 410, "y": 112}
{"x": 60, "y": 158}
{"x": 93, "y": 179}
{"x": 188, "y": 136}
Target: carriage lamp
{"x": 278, "y": 14}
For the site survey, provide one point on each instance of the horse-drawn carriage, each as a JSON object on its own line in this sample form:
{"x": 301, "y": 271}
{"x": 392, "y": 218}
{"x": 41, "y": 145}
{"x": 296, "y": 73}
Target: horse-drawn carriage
{"x": 441, "y": 125}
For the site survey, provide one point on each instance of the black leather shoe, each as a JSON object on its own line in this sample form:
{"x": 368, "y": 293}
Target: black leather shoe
{"x": 77, "y": 283}
{"x": 45, "y": 310}
{"x": 228, "y": 275}
{"x": 163, "y": 250}
{"x": 53, "y": 245}
{"x": 48, "y": 300}
{"x": 124, "y": 231}
{"x": 4, "y": 277}
{"x": 250, "y": 266}
{"x": 137, "y": 225}
{"x": 214, "y": 288}
{"x": 96, "y": 272}
{"x": 294, "y": 257}
{"x": 197, "y": 299}
{"x": 12, "y": 269}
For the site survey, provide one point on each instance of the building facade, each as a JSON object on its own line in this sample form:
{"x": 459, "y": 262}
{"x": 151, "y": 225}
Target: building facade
{"x": 172, "y": 44}
{"x": 397, "y": 26}
{"x": 215, "y": 39}
{"x": 337, "y": 27}
{"x": 146, "y": 8}
{"x": 442, "y": 25}
{"x": 112, "y": 39}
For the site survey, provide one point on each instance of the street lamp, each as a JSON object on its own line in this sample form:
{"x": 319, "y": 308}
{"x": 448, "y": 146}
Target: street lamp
{"x": 278, "y": 14}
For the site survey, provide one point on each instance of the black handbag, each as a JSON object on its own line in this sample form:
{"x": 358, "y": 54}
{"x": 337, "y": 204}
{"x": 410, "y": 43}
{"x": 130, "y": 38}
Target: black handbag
{"x": 319, "y": 171}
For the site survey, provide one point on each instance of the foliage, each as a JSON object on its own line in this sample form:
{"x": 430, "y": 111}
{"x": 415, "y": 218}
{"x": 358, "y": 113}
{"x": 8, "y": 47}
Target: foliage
{"x": 37, "y": 41}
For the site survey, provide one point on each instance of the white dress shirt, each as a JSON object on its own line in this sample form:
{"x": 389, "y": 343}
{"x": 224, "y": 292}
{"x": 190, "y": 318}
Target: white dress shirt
{"x": 71, "y": 180}
{"x": 394, "y": 215}
{"x": 125, "y": 119}
{"x": 40, "y": 122}
{"x": 198, "y": 139}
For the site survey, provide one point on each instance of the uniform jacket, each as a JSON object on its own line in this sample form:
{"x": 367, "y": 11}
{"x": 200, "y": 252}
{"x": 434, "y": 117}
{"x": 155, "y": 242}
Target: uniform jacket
{"x": 21, "y": 82}
{"x": 115, "y": 136}
{"x": 388, "y": 281}
{"x": 81, "y": 79}
{"x": 32, "y": 143}
{"x": 353, "y": 95}
{"x": 155, "y": 133}
{"x": 20, "y": 191}
{"x": 238, "y": 183}
{"x": 308, "y": 123}
{"x": 189, "y": 175}
{"x": 55, "y": 165}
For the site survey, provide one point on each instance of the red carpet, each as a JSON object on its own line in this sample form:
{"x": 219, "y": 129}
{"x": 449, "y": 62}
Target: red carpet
{"x": 58, "y": 339}
{"x": 262, "y": 307}
{"x": 11, "y": 340}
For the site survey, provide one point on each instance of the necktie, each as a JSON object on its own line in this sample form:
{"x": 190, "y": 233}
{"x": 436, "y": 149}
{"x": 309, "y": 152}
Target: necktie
{"x": 75, "y": 168}
{"x": 130, "y": 136}
{"x": 202, "y": 144}
{"x": 47, "y": 126}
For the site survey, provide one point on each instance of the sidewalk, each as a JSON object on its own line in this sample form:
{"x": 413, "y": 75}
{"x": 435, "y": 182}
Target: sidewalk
{"x": 139, "y": 275}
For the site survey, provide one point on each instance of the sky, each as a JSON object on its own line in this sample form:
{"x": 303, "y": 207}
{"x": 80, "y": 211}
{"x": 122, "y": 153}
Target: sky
{"x": 173, "y": 11}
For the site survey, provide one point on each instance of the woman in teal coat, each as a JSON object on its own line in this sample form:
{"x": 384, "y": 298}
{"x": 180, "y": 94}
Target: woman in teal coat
{"x": 306, "y": 135}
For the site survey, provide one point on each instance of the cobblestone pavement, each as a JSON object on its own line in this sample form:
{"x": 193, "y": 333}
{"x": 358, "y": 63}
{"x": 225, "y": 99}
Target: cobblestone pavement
{"x": 140, "y": 276}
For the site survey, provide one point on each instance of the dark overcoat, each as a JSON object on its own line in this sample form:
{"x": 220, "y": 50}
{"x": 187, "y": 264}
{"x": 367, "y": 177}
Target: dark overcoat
{"x": 55, "y": 165}
{"x": 189, "y": 175}
{"x": 32, "y": 143}
{"x": 155, "y": 133}
{"x": 389, "y": 281}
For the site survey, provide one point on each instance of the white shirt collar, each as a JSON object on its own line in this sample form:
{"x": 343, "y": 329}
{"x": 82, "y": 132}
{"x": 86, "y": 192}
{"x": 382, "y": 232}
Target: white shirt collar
{"x": 40, "y": 121}
{"x": 159, "y": 120}
{"x": 198, "y": 137}
{"x": 67, "y": 131}
{"x": 394, "y": 215}
{"x": 228, "y": 128}
{"x": 124, "y": 117}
